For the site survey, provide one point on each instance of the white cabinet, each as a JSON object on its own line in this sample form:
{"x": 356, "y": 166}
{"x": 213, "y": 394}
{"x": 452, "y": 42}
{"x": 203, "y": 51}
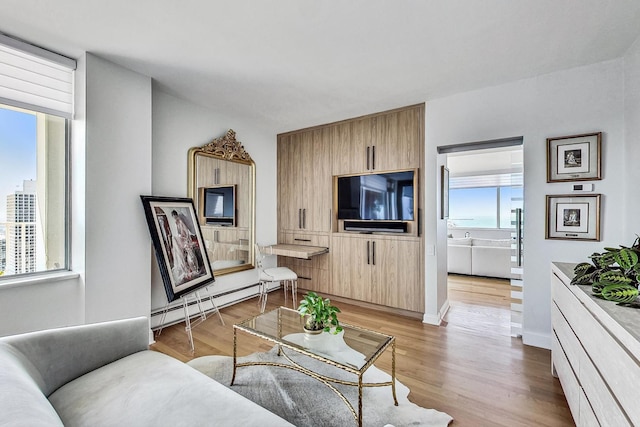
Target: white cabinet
{"x": 595, "y": 353}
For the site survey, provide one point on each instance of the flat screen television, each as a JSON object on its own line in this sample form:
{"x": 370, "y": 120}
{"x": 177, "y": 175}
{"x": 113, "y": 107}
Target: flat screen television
{"x": 218, "y": 206}
{"x": 377, "y": 197}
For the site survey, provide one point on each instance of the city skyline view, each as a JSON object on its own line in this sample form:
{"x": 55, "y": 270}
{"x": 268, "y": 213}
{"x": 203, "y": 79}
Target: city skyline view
{"x": 18, "y": 154}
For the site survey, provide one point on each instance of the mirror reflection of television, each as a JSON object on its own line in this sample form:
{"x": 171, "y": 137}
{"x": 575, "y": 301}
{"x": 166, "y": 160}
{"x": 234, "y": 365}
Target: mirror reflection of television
{"x": 377, "y": 197}
{"x": 217, "y": 205}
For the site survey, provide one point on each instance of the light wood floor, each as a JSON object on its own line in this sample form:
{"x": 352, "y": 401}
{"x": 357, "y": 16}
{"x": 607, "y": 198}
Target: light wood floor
{"x": 469, "y": 367}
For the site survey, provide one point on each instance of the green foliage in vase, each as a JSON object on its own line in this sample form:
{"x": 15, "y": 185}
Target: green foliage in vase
{"x": 613, "y": 274}
{"x": 321, "y": 315}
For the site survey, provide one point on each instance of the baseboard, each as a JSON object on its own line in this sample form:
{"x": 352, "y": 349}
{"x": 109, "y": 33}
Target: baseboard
{"x": 536, "y": 340}
{"x": 437, "y": 319}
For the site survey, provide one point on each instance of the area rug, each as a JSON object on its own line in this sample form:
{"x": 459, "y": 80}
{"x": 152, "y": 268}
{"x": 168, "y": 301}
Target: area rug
{"x": 304, "y": 401}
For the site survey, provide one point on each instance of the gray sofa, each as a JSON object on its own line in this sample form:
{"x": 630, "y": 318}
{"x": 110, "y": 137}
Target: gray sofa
{"x": 104, "y": 375}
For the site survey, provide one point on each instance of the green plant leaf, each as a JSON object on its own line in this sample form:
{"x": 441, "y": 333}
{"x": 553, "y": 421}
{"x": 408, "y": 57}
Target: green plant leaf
{"x": 584, "y": 279}
{"x": 583, "y": 268}
{"x": 620, "y": 293}
{"x": 614, "y": 277}
{"x": 626, "y": 258}
{"x": 597, "y": 288}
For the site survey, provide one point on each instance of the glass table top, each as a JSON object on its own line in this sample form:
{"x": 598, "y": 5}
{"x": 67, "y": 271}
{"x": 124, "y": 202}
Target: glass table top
{"x": 352, "y": 349}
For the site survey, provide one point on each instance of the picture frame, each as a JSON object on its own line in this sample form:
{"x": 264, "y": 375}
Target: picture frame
{"x": 179, "y": 247}
{"x": 574, "y": 158}
{"x": 573, "y": 217}
{"x": 444, "y": 192}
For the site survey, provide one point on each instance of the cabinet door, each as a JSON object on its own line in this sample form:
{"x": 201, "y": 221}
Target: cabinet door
{"x": 316, "y": 178}
{"x": 395, "y": 279}
{"x": 396, "y": 141}
{"x": 350, "y": 142}
{"x": 351, "y": 274}
{"x": 289, "y": 182}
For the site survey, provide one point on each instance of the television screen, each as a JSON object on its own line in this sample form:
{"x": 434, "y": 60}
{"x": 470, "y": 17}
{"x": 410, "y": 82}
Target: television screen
{"x": 382, "y": 197}
{"x": 219, "y": 203}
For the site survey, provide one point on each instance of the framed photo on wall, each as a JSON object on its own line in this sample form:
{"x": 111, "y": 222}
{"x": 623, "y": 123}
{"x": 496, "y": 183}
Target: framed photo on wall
{"x": 573, "y": 217}
{"x": 444, "y": 183}
{"x": 574, "y": 158}
{"x": 178, "y": 243}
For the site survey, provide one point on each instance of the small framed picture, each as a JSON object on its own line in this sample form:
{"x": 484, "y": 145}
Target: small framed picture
{"x": 179, "y": 247}
{"x": 444, "y": 203}
{"x": 574, "y": 158}
{"x": 573, "y": 217}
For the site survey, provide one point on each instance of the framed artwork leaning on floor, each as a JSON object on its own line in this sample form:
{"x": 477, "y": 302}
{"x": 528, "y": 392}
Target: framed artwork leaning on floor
{"x": 178, "y": 243}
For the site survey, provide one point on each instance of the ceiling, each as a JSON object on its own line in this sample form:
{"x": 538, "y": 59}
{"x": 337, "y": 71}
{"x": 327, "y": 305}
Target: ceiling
{"x": 485, "y": 161}
{"x": 288, "y": 64}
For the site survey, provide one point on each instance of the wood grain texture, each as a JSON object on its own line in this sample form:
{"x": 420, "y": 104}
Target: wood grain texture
{"x": 469, "y": 368}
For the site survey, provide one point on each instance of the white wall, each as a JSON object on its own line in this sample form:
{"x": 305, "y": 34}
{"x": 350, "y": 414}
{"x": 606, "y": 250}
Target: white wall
{"x": 581, "y": 100}
{"x": 179, "y": 125}
{"x": 118, "y": 170}
{"x": 632, "y": 139}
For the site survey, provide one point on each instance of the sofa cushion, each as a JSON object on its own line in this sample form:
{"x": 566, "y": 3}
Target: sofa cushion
{"x": 459, "y": 241}
{"x": 149, "y": 388}
{"x": 500, "y": 243}
{"x": 21, "y": 400}
{"x": 459, "y": 259}
{"x": 491, "y": 261}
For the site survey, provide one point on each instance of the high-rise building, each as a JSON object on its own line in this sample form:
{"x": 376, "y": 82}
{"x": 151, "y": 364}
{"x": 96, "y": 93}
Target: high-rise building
{"x": 21, "y": 230}
{"x": 3, "y": 253}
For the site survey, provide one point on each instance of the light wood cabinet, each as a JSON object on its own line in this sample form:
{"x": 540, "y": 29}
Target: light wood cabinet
{"x": 595, "y": 353}
{"x": 385, "y": 142}
{"x": 304, "y": 181}
{"x": 381, "y": 271}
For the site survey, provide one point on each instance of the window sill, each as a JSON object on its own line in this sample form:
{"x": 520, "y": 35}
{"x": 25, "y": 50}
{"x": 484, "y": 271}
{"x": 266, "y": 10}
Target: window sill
{"x": 36, "y": 279}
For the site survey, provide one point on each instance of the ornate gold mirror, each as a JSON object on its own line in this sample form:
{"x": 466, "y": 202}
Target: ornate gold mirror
{"x": 222, "y": 186}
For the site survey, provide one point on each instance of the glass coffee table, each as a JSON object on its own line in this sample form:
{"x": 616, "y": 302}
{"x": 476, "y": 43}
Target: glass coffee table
{"x": 353, "y": 350}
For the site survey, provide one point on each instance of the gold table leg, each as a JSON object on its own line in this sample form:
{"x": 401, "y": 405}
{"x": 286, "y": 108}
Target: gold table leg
{"x": 360, "y": 400}
{"x": 393, "y": 372}
{"x": 235, "y": 339}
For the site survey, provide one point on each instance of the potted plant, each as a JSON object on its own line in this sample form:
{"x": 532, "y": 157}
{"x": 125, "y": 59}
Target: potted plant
{"x": 320, "y": 314}
{"x": 613, "y": 275}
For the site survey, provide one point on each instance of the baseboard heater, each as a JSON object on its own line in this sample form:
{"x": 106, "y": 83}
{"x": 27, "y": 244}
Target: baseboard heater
{"x": 376, "y": 226}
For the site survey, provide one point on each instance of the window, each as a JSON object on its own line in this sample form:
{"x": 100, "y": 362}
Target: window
{"x": 482, "y": 207}
{"x": 32, "y": 191}
{"x": 36, "y": 97}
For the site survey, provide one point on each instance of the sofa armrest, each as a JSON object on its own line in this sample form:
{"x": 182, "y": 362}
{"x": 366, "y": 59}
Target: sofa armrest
{"x": 57, "y": 356}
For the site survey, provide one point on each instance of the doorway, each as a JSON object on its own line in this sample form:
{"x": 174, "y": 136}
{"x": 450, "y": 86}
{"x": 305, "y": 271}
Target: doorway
{"x": 484, "y": 238}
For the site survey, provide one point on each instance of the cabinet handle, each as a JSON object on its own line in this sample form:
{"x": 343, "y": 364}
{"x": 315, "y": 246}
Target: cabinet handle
{"x": 368, "y": 253}
{"x": 368, "y": 148}
{"x": 299, "y": 218}
{"x": 374, "y": 253}
{"x": 304, "y": 218}
{"x": 373, "y": 157}
{"x": 302, "y": 240}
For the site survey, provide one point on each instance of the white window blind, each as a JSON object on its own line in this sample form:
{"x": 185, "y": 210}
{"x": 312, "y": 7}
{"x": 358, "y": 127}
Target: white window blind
{"x": 491, "y": 180}
{"x": 34, "y": 78}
